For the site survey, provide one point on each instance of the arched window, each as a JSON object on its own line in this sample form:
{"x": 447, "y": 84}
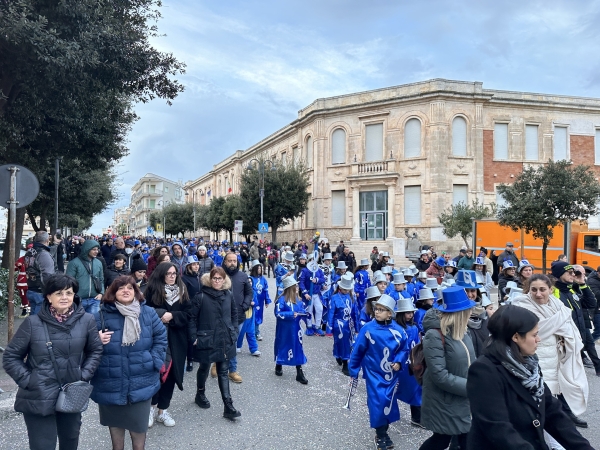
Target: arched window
{"x": 338, "y": 146}
{"x": 412, "y": 138}
{"x": 459, "y": 136}
{"x": 309, "y": 151}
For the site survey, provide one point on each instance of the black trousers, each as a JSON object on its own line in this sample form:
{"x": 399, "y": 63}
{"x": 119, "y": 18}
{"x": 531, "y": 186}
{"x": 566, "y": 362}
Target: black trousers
{"x": 590, "y": 348}
{"x": 164, "y": 395}
{"x": 222, "y": 377}
{"x": 442, "y": 441}
{"x": 44, "y": 430}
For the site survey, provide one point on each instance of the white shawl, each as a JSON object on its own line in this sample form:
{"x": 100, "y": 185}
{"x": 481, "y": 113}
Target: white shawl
{"x": 555, "y": 319}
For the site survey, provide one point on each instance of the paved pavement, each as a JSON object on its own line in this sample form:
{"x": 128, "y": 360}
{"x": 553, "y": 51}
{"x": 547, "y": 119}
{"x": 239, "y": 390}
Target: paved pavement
{"x": 277, "y": 412}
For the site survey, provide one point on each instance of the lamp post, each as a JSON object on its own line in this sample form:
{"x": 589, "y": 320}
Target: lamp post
{"x": 193, "y": 208}
{"x": 261, "y": 183}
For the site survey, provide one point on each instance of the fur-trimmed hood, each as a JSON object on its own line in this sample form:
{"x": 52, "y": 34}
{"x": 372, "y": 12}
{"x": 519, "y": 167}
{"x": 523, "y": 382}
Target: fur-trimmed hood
{"x": 205, "y": 281}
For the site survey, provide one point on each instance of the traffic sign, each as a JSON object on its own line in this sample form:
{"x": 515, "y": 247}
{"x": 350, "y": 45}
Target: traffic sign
{"x": 238, "y": 226}
{"x": 263, "y": 227}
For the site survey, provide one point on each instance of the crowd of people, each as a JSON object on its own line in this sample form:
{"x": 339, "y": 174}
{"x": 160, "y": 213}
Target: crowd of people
{"x": 132, "y": 316}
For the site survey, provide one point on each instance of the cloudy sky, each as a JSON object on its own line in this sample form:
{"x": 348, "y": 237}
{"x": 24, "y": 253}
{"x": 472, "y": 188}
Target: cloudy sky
{"x": 251, "y": 65}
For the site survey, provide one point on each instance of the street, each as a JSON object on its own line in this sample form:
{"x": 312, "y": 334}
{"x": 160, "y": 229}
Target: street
{"x": 277, "y": 412}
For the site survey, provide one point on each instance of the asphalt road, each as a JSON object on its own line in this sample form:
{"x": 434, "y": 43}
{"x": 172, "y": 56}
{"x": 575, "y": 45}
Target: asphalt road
{"x": 277, "y": 412}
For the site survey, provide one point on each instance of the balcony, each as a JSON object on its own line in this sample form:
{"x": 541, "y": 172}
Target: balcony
{"x": 374, "y": 168}
{"x": 146, "y": 193}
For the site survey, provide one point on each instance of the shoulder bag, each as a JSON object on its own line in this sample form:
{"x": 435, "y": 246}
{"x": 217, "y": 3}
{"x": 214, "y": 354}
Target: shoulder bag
{"x": 73, "y": 397}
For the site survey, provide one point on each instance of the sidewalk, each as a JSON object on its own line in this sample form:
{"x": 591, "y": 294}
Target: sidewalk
{"x": 7, "y": 398}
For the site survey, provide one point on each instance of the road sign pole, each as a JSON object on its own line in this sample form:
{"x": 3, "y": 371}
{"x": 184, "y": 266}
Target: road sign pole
{"x": 262, "y": 194}
{"x": 12, "y": 206}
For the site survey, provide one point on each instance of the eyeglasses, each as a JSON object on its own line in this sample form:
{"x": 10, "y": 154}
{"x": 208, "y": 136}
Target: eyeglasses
{"x": 217, "y": 279}
{"x": 171, "y": 274}
{"x": 380, "y": 310}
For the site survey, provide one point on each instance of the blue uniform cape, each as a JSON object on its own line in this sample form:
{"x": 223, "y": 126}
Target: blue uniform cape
{"x": 338, "y": 320}
{"x": 304, "y": 282}
{"x": 409, "y": 391}
{"x": 260, "y": 286}
{"x": 361, "y": 283}
{"x": 377, "y": 347}
{"x": 288, "y": 334}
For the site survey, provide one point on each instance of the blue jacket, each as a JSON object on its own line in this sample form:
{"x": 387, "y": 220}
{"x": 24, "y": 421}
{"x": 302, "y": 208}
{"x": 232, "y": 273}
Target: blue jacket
{"x": 129, "y": 374}
{"x": 304, "y": 282}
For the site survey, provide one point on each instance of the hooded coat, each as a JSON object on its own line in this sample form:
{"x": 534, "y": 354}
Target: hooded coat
{"x": 77, "y": 349}
{"x": 78, "y": 269}
{"x": 215, "y": 322}
{"x": 445, "y": 407}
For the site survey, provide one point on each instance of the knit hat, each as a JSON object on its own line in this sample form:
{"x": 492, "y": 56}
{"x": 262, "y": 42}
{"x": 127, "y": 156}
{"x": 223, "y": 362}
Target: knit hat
{"x": 202, "y": 247}
{"x": 138, "y": 264}
{"x": 560, "y": 267}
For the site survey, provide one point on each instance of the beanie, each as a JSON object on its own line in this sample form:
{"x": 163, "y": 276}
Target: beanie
{"x": 202, "y": 247}
{"x": 138, "y": 264}
{"x": 559, "y": 268}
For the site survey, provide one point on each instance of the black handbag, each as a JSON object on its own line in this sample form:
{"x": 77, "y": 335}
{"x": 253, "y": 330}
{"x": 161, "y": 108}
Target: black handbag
{"x": 95, "y": 279}
{"x": 73, "y": 397}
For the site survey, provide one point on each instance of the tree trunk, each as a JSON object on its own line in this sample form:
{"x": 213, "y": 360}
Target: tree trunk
{"x": 230, "y": 236}
{"x": 466, "y": 243}
{"x": 32, "y": 220}
{"x": 544, "y": 247}
{"x": 19, "y": 233}
{"x": 274, "y": 235}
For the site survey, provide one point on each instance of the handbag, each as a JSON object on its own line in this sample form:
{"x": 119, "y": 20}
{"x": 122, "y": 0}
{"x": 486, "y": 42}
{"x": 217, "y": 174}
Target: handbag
{"x": 73, "y": 397}
{"x": 95, "y": 279}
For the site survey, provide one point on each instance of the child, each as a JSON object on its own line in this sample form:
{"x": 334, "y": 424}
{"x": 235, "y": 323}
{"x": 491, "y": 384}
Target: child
{"x": 380, "y": 349}
{"x": 340, "y": 316}
{"x": 327, "y": 288}
{"x": 410, "y": 286}
{"x": 339, "y": 271}
{"x": 284, "y": 269}
{"x": 409, "y": 390}
{"x": 398, "y": 288}
{"x": 366, "y": 314}
{"x": 361, "y": 282}
{"x": 289, "y": 311}
{"x": 380, "y": 281}
{"x": 424, "y": 304}
{"x": 260, "y": 286}
{"x": 391, "y": 264}
{"x": 310, "y": 287}
{"x": 420, "y": 284}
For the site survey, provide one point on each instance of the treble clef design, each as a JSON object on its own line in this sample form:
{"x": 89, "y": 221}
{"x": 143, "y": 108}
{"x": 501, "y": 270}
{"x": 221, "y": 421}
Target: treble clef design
{"x": 388, "y": 409}
{"x": 347, "y": 310}
{"x": 386, "y": 366}
{"x": 290, "y": 354}
{"x": 300, "y": 333}
{"x": 340, "y": 326}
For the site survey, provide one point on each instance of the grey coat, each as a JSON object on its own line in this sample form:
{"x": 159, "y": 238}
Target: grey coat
{"x": 445, "y": 407}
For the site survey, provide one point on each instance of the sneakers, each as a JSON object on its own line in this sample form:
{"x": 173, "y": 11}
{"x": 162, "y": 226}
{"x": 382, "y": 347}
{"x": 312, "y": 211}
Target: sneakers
{"x": 235, "y": 377}
{"x": 201, "y": 400}
{"x": 238, "y": 350}
{"x": 24, "y": 312}
{"x": 152, "y": 416}
{"x": 380, "y": 443}
{"x": 166, "y": 419}
{"x": 256, "y": 353}
{"x": 319, "y": 332}
{"x": 213, "y": 370}
{"x": 229, "y": 412}
{"x": 310, "y": 332}
{"x": 339, "y": 361}
{"x": 259, "y": 337}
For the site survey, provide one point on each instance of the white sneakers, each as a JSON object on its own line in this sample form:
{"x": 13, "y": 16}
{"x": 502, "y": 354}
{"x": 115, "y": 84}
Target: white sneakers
{"x": 259, "y": 337}
{"x": 166, "y": 419}
{"x": 152, "y": 416}
{"x": 256, "y": 353}
{"x": 239, "y": 350}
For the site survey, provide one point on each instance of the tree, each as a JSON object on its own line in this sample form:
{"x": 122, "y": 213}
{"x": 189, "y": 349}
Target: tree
{"x": 544, "y": 197}
{"x": 231, "y": 213}
{"x": 178, "y": 218}
{"x": 122, "y": 229}
{"x": 285, "y": 197}
{"x": 458, "y": 219}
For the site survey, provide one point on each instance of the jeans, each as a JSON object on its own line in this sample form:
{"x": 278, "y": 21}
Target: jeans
{"x": 596, "y": 333}
{"x": 36, "y": 299}
{"x": 43, "y": 430}
{"x": 91, "y": 305}
{"x": 250, "y": 333}
{"x": 233, "y": 361}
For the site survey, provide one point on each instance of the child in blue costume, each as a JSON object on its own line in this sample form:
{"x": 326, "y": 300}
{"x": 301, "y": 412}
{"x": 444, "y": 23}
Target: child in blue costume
{"x": 308, "y": 285}
{"x": 339, "y": 271}
{"x": 366, "y": 314}
{"x": 381, "y": 348}
{"x": 420, "y": 283}
{"x": 424, "y": 304}
{"x": 289, "y": 311}
{"x": 284, "y": 269}
{"x": 327, "y": 288}
{"x": 398, "y": 287}
{"x": 387, "y": 272}
{"x": 361, "y": 282}
{"x": 409, "y": 390}
{"x": 260, "y": 286}
{"x": 410, "y": 286}
{"x": 390, "y": 264}
{"x": 338, "y": 320}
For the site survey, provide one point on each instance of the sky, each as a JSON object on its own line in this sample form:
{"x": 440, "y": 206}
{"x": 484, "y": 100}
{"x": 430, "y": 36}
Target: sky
{"x": 251, "y": 65}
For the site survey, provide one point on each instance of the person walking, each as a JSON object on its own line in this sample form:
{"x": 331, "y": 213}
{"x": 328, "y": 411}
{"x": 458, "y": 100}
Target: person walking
{"x": 191, "y": 279}
{"x": 261, "y": 300}
{"x": 39, "y": 266}
{"x": 73, "y": 337}
{"x": 216, "y": 323}
{"x": 206, "y": 263}
{"x": 89, "y": 273}
{"x": 135, "y": 342}
{"x": 115, "y": 270}
{"x": 167, "y": 294}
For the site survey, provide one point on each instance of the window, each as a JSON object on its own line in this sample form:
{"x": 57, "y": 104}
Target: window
{"x": 338, "y": 208}
{"x": 412, "y": 138}
{"x": 296, "y": 154}
{"x": 412, "y": 205}
{"x": 309, "y": 213}
{"x": 284, "y": 158}
{"x": 501, "y": 141}
{"x": 460, "y": 194}
{"x": 152, "y": 204}
{"x": 560, "y": 143}
{"x": 531, "y": 143}
{"x": 459, "y": 136}
{"x": 166, "y": 189}
{"x": 500, "y": 201}
{"x": 309, "y": 151}
{"x": 374, "y": 142}
{"x": 597, "y": 147}
{"x": 338, "y": 147}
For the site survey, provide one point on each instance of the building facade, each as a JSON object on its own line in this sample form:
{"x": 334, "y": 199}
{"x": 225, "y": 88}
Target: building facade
{"x": 149, "y": 194}
{"x": 384, "y": 164}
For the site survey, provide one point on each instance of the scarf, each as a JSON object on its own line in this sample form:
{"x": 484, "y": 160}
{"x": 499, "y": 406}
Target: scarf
{"x": 64, "y": 316}
{"x": 171, "y": 293}
{"x": 132, "y": 329}
{"x": 528, "y": 374}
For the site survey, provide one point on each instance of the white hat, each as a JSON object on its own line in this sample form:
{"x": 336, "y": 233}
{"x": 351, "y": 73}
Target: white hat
{"x": 327, "y": 256}
{"x": 425, "y": 293}
{"x": 508, "y": 265}
{"x": 524, "y": 263}
{"x": 342, "y": 265}
{"x": 288, "y": 256}
{"x": 387, "y": 302}
{"x": 485, "y": 300}
{"x": 390, "y": 262}
{"x": 377, "y": 272}
{"x": 255, "y": 262}
{"x": 288, "y": 282}
{"x": 346, "y": 281}
{"x": 399, "y": 279}
{"x": 372, "y": 292}
{"x": 423, "y": 252}
{"x": 380, "y": 277}
{"x": 407, "y": 273}
{"x": 432, "y": 283}
{"x": 422, "y": 275}
{"x": 510, "y": 286}
{"x": 364, "y": 262}
{"x": 385, "y": 254}
{"x": 514, "y": 292}
{"x": 405, "y": 305}
{"x": 311, "y": 256}
{"x": 386, "y": 269}
{"x": 414, "y": 269}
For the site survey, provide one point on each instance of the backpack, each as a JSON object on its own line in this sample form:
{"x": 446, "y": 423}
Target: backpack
{"x": 417, "y": 364}
{"x": 32, "y": 269}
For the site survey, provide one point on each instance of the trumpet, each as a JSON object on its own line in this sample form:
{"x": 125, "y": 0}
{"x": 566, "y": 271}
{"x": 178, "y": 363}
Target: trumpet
{"x": 351, "y": 392}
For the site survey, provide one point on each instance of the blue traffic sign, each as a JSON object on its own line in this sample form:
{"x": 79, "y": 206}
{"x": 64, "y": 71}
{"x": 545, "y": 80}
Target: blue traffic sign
{"x": 263, "y": 227}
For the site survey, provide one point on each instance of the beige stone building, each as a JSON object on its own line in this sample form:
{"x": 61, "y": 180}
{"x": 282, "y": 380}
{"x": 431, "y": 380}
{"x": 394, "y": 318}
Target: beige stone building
{"x": 384, "y": 164}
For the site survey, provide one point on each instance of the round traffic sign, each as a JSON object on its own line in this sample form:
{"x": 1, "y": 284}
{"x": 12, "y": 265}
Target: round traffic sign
{"x": 28, "y": 186}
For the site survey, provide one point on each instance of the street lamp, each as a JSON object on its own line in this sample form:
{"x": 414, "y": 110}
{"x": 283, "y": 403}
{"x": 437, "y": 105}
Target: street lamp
{"x": 261, "y": 182}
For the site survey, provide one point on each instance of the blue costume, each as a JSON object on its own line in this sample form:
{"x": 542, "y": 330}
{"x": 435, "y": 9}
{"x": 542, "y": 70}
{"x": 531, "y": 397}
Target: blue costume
{"x": 260, "y": 286}
{"x": 363, "y": 319}
{"x": 340, "y": 314}
{"x": 280, "y": 271}
{"x": 409, "y": 391}
{"x": 411, "y": 289}
{"x": 378, "y": 346}
{"x": 418, "y": 319}
{"x": 288, "y": 334}
{"x": 314, "y": 306}
{"x": 397, "y": 295}
{"x": 361, "y": 283}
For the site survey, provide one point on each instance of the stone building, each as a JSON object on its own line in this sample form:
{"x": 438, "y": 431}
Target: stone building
{"x": 384, "y": 164}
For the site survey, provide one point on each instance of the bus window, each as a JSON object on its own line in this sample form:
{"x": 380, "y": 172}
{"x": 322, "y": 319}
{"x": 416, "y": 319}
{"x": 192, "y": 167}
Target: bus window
{"x": 590, "y": 243}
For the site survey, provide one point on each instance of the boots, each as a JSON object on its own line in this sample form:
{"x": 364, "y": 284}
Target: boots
{"x": 201, "y": 399}
{"x": 345, "y": 368}
{"x": 230, "y": 412}
{"x": 300, "y": 378}
{"x": 278, "y": 370}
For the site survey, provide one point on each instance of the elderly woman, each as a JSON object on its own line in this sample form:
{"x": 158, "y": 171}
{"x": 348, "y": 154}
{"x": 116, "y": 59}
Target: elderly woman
{"x": 559, "y": 352}
{"x": 511, "y": 404}
{"x": 77, "y": 350}
{"x": 134, "y": 351}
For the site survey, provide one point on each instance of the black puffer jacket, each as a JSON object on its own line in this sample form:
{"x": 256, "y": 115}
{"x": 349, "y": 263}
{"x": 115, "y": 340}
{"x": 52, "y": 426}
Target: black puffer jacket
{"x": 77, "y": 349}
{"x": 206, "y": 264}
{"x": 111, "y": 274}
{"x": 216, "y": 322}
{"x": 242, "y": 291}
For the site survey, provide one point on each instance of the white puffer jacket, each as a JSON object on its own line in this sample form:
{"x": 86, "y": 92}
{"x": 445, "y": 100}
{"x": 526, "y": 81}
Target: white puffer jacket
{"x": 548, "y": 358}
